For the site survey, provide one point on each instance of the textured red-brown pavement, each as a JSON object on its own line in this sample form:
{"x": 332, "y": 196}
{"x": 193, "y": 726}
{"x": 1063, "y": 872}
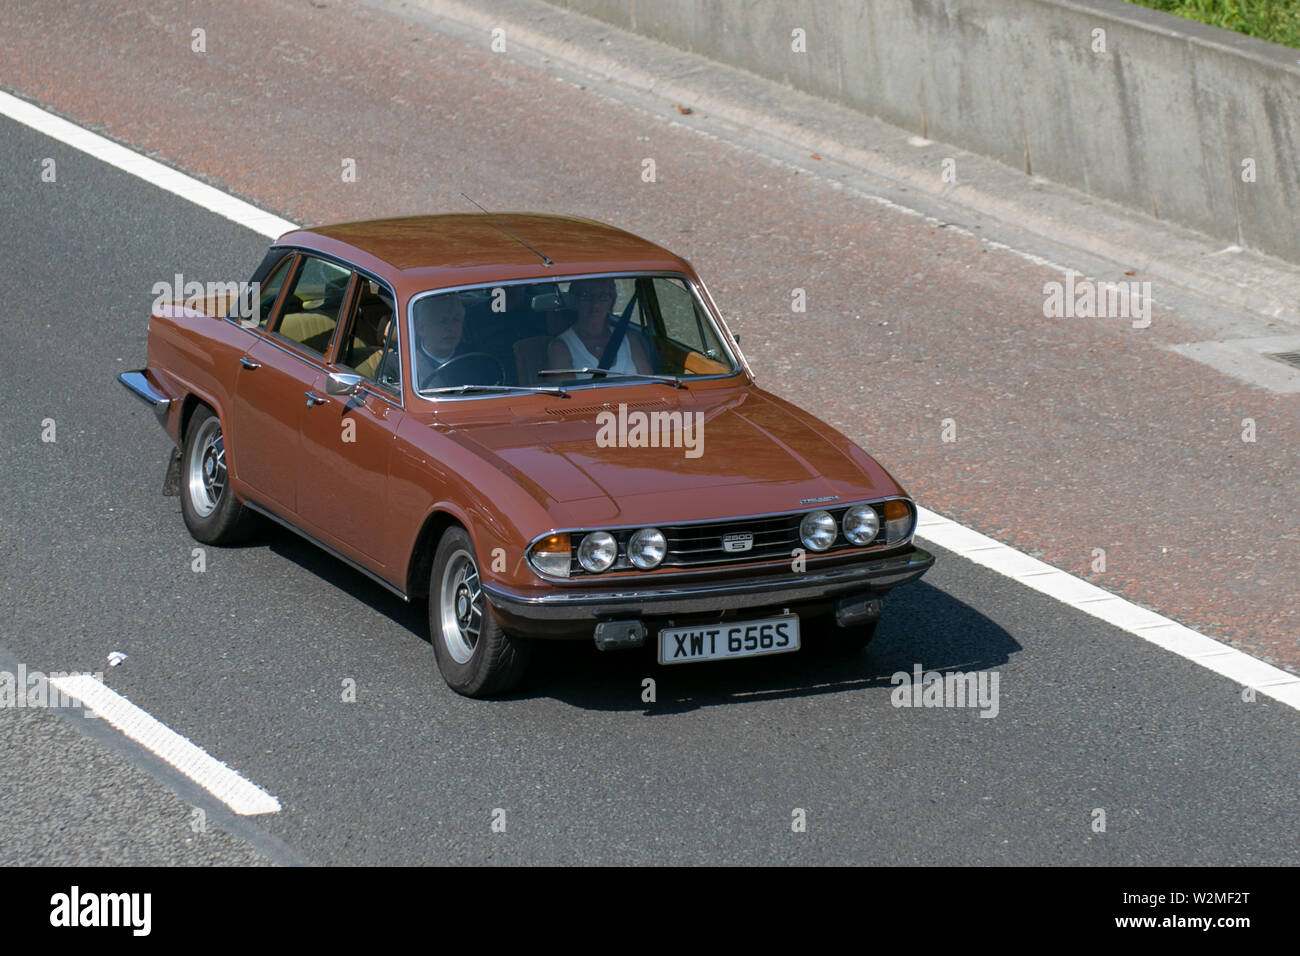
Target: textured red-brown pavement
{"x": 1072, "y": 434}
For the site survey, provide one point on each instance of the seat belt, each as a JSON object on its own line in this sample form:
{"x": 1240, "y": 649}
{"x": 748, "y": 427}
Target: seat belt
{"x": 620, "y": 331}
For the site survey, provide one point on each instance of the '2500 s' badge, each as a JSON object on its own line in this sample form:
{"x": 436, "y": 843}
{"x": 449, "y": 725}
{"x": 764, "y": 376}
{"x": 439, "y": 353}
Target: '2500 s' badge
{"x": 740, "y": 541}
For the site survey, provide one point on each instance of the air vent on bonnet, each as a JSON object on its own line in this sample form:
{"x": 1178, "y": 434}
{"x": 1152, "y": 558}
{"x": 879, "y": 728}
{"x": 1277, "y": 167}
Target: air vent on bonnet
{"x": 566, "y": 411}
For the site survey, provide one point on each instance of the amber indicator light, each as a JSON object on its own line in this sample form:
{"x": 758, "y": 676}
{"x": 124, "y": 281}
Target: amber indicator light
{"x": 895, "y": 509}
{"x": 553, "y": 543}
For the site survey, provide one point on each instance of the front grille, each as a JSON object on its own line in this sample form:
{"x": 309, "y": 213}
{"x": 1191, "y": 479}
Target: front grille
{"x": 694, "y": 546}
{"x": 700, "y": 545}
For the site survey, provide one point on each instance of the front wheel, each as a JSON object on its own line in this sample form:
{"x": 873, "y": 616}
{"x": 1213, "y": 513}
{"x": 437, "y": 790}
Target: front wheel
{"x": 475, "y": 655}
{"x": 212, "y": 512}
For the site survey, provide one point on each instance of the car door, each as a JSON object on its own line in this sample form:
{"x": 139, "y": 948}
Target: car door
{"x": 347, "y": 440}
{"x": 279, "y": 369}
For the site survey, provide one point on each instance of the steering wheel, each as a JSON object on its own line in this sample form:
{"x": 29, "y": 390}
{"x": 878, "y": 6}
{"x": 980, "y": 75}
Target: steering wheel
{"x": 440, "y": 372}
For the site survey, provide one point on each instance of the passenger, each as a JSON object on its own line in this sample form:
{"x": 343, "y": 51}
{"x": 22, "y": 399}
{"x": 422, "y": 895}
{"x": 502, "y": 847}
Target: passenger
{"x": 582, "y": 344}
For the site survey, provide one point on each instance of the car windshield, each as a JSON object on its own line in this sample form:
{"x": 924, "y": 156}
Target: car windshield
{"x": 564, "y": 333}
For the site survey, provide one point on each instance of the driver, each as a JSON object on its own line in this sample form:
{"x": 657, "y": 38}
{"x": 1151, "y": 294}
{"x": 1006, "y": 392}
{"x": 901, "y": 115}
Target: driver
{"x": 439, "y": 324}
{"x": 442, "y": 358}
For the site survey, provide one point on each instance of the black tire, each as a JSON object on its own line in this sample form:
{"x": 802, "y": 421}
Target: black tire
{"x": 212, "y": 512}
{"x": 475, "y": 655}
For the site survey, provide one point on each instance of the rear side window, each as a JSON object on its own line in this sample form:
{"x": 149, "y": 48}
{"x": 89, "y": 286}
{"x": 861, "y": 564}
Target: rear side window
{"x": 270, "y": 291}
{"x": 311, "y": 308}
{"x": 369, "y": 344}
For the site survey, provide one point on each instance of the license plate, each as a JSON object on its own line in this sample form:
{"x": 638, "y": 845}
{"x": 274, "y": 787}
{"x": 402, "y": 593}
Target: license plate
{"x": 712, "y": 642}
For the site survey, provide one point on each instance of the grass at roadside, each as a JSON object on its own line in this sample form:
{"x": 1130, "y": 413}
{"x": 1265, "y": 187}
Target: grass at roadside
{"x": 1277, "y": 21}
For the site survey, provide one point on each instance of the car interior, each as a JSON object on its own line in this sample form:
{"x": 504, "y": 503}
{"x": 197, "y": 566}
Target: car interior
{"x": 513, "y": 324}
{"x": 520, "y": 335}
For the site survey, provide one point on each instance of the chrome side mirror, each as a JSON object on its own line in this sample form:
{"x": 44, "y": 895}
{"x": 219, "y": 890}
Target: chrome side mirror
{"x": 343, "y": 383}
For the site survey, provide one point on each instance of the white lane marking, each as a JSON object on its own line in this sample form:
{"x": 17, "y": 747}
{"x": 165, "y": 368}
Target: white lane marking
{"x": 242, "y": 796}
{"x": 946, "y": 533}
{"x": 155, "y": 173}
{"x": 1111, "y": 608}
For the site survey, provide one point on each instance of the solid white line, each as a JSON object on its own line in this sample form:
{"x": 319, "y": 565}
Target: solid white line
{"x": 1087, "y": 597}
{"x": 944, "y": 532}
{"x": 242, "y": 796}
{"x": 155, "y": 173}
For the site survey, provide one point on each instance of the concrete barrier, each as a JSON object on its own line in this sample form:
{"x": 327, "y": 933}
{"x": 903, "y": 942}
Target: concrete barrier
{"x": 1189, "y": 123}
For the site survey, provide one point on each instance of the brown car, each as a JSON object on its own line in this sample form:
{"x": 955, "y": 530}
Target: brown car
{"x": 539, "y": 423}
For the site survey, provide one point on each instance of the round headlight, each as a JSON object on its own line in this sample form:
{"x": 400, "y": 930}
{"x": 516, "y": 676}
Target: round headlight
{"x": 647, "y": 548}
{"x": 817, "y": 530}
{"x": 861, "y": 524}
{"x": 597, "y": 551}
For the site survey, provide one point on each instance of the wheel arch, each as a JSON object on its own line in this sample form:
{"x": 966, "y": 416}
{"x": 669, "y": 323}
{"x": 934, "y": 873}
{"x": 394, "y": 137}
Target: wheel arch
{"x": 420, "y": 565}
{"x": 188, "y": 407}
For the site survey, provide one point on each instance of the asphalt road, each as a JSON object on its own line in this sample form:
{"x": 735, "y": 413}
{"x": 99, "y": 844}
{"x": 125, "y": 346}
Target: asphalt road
{"x": 248, "y": 658}
{"x": 1071, "y": 434}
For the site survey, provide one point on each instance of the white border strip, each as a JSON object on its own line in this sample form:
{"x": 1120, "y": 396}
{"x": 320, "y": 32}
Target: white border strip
{"x": 152, "y": 172}
{"x": 242, "y": 796}
{"x": 944, "y": 532}
{"x": 1127, "y": 616}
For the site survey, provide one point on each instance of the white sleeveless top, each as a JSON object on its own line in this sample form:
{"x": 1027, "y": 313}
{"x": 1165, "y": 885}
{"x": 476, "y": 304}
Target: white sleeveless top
{"x": 582, "y": 358}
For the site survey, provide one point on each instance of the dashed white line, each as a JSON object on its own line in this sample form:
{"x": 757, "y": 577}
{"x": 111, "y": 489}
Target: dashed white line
{"x": 944, "y": 532}
{"x": 240, "y": 795}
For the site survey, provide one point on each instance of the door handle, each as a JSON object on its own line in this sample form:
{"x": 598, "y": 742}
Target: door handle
{"x": 248, "y": 363}
{"x": 314, "y": 399}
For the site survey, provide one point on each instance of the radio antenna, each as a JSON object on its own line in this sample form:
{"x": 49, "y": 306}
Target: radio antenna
{"x": 546, "y": 260}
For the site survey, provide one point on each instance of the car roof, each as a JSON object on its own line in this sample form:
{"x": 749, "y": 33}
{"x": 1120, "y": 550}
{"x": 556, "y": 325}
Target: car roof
{"x": 415, "y": 253}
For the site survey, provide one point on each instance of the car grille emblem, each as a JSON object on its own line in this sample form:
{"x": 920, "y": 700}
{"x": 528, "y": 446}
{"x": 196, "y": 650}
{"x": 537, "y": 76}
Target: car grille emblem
{"x": 740, "y": 541}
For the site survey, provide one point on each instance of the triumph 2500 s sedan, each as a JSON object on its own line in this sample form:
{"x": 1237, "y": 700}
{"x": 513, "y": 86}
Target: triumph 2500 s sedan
{"x": 542, "y": 425}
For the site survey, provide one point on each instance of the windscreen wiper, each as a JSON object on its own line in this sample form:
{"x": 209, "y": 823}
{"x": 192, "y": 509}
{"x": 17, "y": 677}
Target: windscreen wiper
{"x": 463, "y": 389}
{"x": 672, "y": 380}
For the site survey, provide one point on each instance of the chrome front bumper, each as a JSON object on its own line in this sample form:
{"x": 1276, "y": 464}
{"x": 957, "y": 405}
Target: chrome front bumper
{"x": 786, "y": 589}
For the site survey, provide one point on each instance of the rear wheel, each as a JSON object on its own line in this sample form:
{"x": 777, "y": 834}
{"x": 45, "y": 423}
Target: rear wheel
{"x": 211, "y": 511}
{"x": 475, "y": 655}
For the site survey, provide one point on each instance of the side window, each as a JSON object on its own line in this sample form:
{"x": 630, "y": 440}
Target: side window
{"x": 681, "y": 321}
{"x": 369, "y": 345}
{"x": 270, "y": 291}
{"x": 312, "y": 305}
{"x": 623, "y": 291}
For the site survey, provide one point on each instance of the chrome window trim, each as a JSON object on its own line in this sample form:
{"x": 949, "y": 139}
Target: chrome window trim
{"x": 625, "y": 573}
{"x": 725, "y": 340}
{"x": 371, "y": 386}
{"x": 270, "y": 337}
{"x": 731, "y": 342}
{"x": 257, "y": 330}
